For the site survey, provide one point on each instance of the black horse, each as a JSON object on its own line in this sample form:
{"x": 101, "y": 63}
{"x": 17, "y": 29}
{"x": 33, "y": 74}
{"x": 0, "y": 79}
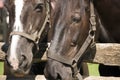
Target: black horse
{"x": 28, "y": 26}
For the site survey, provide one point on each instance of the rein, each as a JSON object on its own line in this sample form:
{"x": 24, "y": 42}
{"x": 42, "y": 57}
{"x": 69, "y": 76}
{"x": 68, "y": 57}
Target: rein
{"x": 35, "y": 37}
{"x": 89, "y": 41}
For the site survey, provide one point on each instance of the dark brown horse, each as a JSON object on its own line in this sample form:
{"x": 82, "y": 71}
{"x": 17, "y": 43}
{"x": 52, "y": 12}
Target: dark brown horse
{"x": 70, "y": 23}
{"x": 28, "y": 19}
{"x": 109, "y": 13}
{"x": 72, "y": 34}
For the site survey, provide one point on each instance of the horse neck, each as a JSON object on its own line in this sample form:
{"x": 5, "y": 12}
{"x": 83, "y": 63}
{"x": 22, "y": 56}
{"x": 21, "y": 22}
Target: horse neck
{"x": 102, "y": 35}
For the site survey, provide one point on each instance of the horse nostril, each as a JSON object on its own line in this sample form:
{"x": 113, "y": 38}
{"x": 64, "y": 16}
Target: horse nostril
{"x": 23, "y": 57}
{"x": 12, "y": 62}
{"x": 58, "y": 76}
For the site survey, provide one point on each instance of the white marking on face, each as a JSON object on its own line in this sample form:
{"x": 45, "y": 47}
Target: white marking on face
{"x": 17, "y": 27}
{"x": 18, "y": 9}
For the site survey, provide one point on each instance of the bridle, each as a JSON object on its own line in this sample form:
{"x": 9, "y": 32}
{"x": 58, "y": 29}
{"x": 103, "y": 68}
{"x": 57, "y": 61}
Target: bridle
{"x": 89, "y": 41}
{"x": 35, "y": 37}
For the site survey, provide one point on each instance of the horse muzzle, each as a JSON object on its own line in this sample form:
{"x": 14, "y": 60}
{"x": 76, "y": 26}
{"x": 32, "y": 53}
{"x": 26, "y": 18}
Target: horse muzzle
{"x": 18, "y": 67}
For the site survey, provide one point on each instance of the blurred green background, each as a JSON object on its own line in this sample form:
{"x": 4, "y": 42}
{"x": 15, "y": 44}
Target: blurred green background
{"x": 93, "y": 69}
{"x": 1, "y": 68}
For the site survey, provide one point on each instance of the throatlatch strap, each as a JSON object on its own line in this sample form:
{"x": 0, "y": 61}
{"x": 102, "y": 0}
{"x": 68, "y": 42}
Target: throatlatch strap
{"x": 83, "y": 48}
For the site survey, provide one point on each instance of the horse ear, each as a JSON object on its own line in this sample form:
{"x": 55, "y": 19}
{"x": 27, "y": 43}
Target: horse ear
{"x": 53, "y": 3}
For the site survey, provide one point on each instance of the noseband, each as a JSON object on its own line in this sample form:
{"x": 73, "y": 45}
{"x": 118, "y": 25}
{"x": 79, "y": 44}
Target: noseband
{"x": 35, "y": 37}
{"x": 89, "y": 41}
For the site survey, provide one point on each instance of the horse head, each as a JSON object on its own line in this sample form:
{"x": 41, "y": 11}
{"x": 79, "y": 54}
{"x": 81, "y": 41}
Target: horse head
{"x": 71, "y": 27}
{"x": 27, "y": 26}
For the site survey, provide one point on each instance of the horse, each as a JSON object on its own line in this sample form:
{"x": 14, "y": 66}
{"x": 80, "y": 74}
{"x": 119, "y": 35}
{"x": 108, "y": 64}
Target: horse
{"x": 28, "y": 26}
{"x": 108, "y": 11}
{"x": 73, "y": 29}
{"x": 70, "y": 22}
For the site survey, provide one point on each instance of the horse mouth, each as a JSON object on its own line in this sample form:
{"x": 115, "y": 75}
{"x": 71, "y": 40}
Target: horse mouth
{"x": 20, "y": 72}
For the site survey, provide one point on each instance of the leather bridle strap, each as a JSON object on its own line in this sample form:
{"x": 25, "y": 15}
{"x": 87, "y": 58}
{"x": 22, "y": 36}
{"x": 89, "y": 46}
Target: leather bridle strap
{"x": 70, "y": 62}
{"x": 45, "y": 22}
{"x": 23, "y": 34}
{"x": 43, "y": 27}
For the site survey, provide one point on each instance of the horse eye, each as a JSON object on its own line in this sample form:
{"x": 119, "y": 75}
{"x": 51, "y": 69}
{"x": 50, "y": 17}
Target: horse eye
{"x": 39, "y": 8}
{"x": 73, "y": 44}
{"x": 76, "y": 18}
